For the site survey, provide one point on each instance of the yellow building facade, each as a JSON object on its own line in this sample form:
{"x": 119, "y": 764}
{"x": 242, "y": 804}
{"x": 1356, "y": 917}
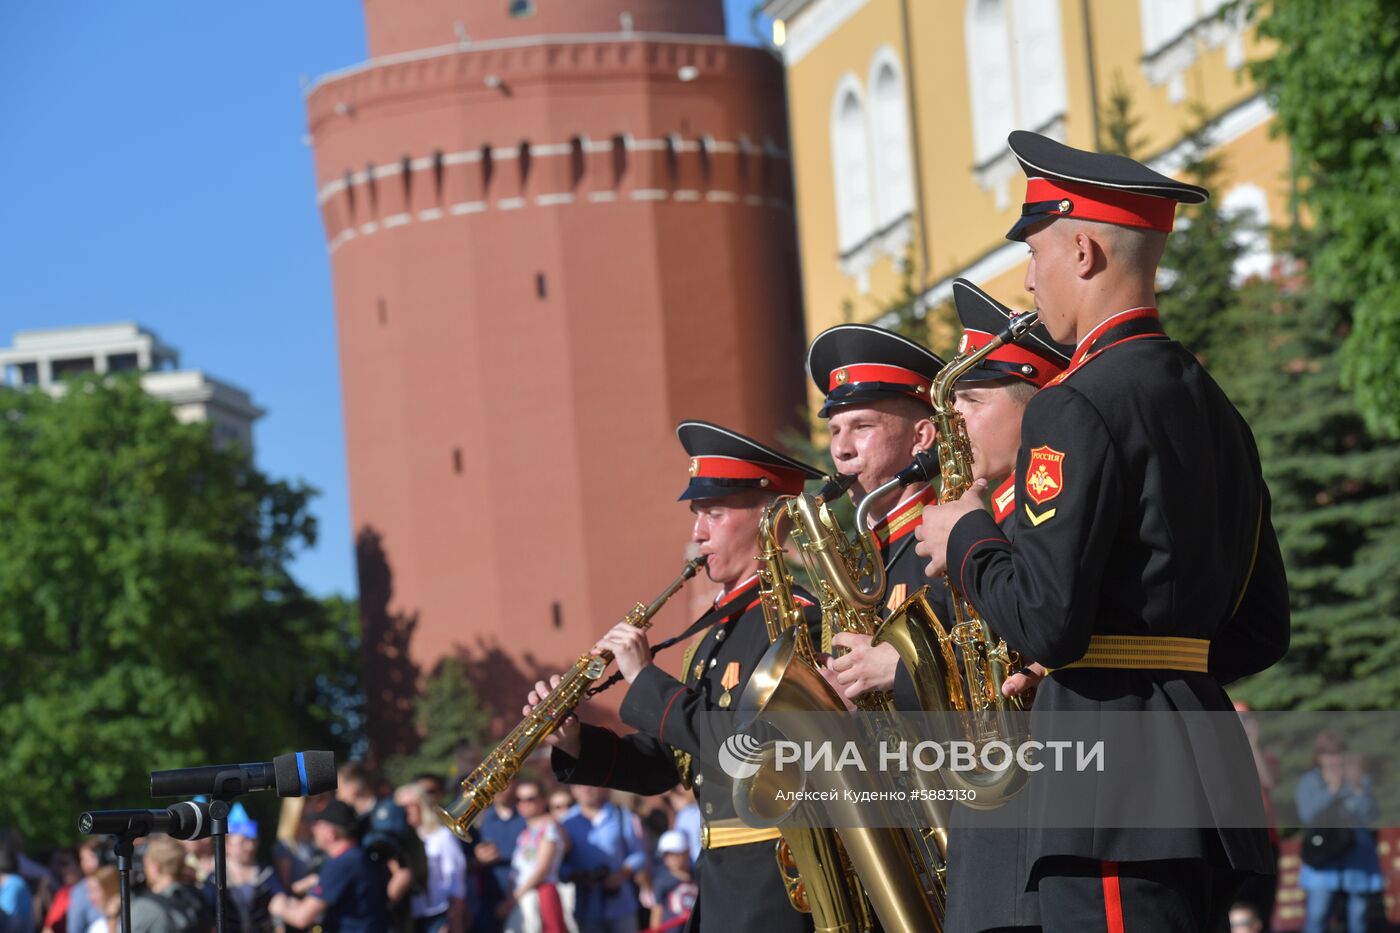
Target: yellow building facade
{"x": 900, "y": 111}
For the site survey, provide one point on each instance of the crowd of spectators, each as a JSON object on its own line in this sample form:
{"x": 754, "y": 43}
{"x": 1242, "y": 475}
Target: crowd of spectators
{"x": 375, "y": 859}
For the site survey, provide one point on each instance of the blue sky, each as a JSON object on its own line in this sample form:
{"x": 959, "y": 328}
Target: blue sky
{"x": 154, "y": 170}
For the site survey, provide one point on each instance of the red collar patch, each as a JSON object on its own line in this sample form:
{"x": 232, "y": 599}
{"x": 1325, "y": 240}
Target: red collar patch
{"x": 1004, "y": 500}
{"x": 1045, "y": 477}
{"x": 905, "y": 517}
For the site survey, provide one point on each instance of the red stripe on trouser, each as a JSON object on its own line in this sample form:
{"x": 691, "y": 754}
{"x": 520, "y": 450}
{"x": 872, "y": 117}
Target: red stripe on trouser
{"x": 1112, "y": 898}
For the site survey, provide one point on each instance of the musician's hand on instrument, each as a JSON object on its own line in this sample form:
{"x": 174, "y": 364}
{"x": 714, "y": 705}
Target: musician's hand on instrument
{"x": 565, "y": 737}
{"x": 829, "y": 676}
{"x": 1024, "y": 681}
{"x": 629, "y": 648}
{"x": 937, "y": 524}
{"x": 863, "y": 667}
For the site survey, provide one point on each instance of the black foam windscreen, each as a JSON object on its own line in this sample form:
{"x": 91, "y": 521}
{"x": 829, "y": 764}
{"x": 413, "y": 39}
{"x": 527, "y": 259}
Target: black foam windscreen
{"x": 301, "y": 773}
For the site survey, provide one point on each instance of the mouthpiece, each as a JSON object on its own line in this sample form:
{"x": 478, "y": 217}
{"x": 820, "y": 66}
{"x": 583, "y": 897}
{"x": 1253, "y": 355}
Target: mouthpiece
{"x": 835, "y": 487}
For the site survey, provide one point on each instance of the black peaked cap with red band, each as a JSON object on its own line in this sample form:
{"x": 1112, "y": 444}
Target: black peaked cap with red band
{"x": 858, "y": 363}
{"x": 723, "y": 462}
{"x": 1065, "y": 182}
{"x": 1035, "y": 358}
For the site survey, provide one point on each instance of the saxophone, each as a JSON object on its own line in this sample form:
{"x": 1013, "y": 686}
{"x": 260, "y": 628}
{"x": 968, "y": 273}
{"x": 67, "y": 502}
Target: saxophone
{"x": 986, "y": 660}
{"x": 849, "y": 877}
{"x": 814, "y": 867}
{"x": 492, "y": 776}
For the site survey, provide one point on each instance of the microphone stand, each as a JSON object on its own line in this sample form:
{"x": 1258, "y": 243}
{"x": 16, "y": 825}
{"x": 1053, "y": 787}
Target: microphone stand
{"x": 125, "y": 846}
{"x": 218, "y": 816}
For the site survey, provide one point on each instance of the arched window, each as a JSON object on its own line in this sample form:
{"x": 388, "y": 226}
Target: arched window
{"x": 989, "y": 67}
{"x": 1016, "y": 66}
{"x": 1250, "y": 205}
{"x": 850, "y": 147}
{"x": 894, "y": 187}
{"x": 1040, "y": 62}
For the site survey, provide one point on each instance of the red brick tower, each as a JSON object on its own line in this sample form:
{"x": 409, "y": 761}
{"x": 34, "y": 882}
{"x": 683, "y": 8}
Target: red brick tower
{"x": 557, "y": 227}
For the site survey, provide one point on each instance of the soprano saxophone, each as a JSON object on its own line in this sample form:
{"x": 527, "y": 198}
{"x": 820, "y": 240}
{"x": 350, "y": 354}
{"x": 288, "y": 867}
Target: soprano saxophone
{"x": 493, "y": 775}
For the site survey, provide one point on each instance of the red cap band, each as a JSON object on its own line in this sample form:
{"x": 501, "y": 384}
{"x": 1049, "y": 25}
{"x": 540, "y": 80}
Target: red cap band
{"x": 1045, "y": 368}
{"x": 878, "y": 372}
{"x": 1107, "y": 205}
{"x": 779, "y": 479}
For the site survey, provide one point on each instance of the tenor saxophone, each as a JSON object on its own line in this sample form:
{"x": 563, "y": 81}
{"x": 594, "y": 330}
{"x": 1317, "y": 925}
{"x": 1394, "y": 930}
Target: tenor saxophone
{"x": 986, "y": 659}
{"x": 493, "y": 775}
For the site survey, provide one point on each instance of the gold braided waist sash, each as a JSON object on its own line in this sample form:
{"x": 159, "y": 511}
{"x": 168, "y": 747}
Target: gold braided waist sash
{"x": 1146, "y": 653}
{"x": 720, "y": 834}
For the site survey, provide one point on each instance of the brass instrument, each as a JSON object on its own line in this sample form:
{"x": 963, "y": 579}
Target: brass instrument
{"x": 841, "y": 877}
{"x": 814, "y": 868}
{"x": 495, "y": 773}
{"x": 986, "y": 660}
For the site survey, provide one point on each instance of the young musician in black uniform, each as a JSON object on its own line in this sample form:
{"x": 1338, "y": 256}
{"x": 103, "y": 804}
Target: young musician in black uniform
{"x": 1143, "y": 568}
{"x": 732, "y": 481}
{"x": 877, "y": 409}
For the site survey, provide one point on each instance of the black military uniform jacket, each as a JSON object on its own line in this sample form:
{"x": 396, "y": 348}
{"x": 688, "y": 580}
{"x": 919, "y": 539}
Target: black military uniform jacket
{"x": 987, "y": 867}
{"x": 740, "y": 886}
{"x": 1141, "y": 511}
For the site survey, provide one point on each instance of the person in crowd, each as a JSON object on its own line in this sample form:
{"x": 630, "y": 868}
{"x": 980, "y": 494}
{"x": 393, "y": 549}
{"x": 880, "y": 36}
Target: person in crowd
{"x": 16, "y": 907}
{"x": 386, "y": 837}
{"x": 675, "y": 888}
{"x": 349, "y": 895}
{"x": 535, "y": 904}
{"x": 251, "y": 885}
{"x": 1336, "y": 795}
{"x": 82, "y": 913}
{"x": 170, "y": 904}
{"x": 64, "y": 865}
{"x": 608, "y": 863}
{"x": 497, "y": 830}
{"x": 295, "y": 855}
{"x": 104, "y": 893}
{"x": 442, "y": 906}
{"x": 687, "y": 819}
{"x": 560, "y": 803}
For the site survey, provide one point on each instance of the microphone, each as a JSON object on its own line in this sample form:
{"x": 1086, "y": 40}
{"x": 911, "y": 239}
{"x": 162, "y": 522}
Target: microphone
{"x": 295, "y": 774}
{"x": 188, "y": 819}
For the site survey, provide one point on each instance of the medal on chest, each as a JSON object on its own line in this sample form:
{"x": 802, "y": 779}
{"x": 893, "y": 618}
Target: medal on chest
{"x": 729, "y": 681}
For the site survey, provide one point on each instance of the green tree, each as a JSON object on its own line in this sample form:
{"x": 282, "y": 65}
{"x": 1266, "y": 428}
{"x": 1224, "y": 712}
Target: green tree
{"x": 449, "y": 716}
{"x": 147, "y": 618}
{"x": 1334, "y": 80}
{"x": 1196, "y": 285}
{"x": 1119, "y": 123}
{"x": 1336, "y": 492}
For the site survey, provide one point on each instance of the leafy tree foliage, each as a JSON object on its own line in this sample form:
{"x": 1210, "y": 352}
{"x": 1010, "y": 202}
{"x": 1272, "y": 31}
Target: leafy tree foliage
{"x": 1334, "y": 80}
{"x": 147, "y": 617}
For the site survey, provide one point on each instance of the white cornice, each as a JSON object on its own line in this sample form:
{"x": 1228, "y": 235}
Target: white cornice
{"x": 811, "y": 22}
{"x": 1228, "y": 127}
